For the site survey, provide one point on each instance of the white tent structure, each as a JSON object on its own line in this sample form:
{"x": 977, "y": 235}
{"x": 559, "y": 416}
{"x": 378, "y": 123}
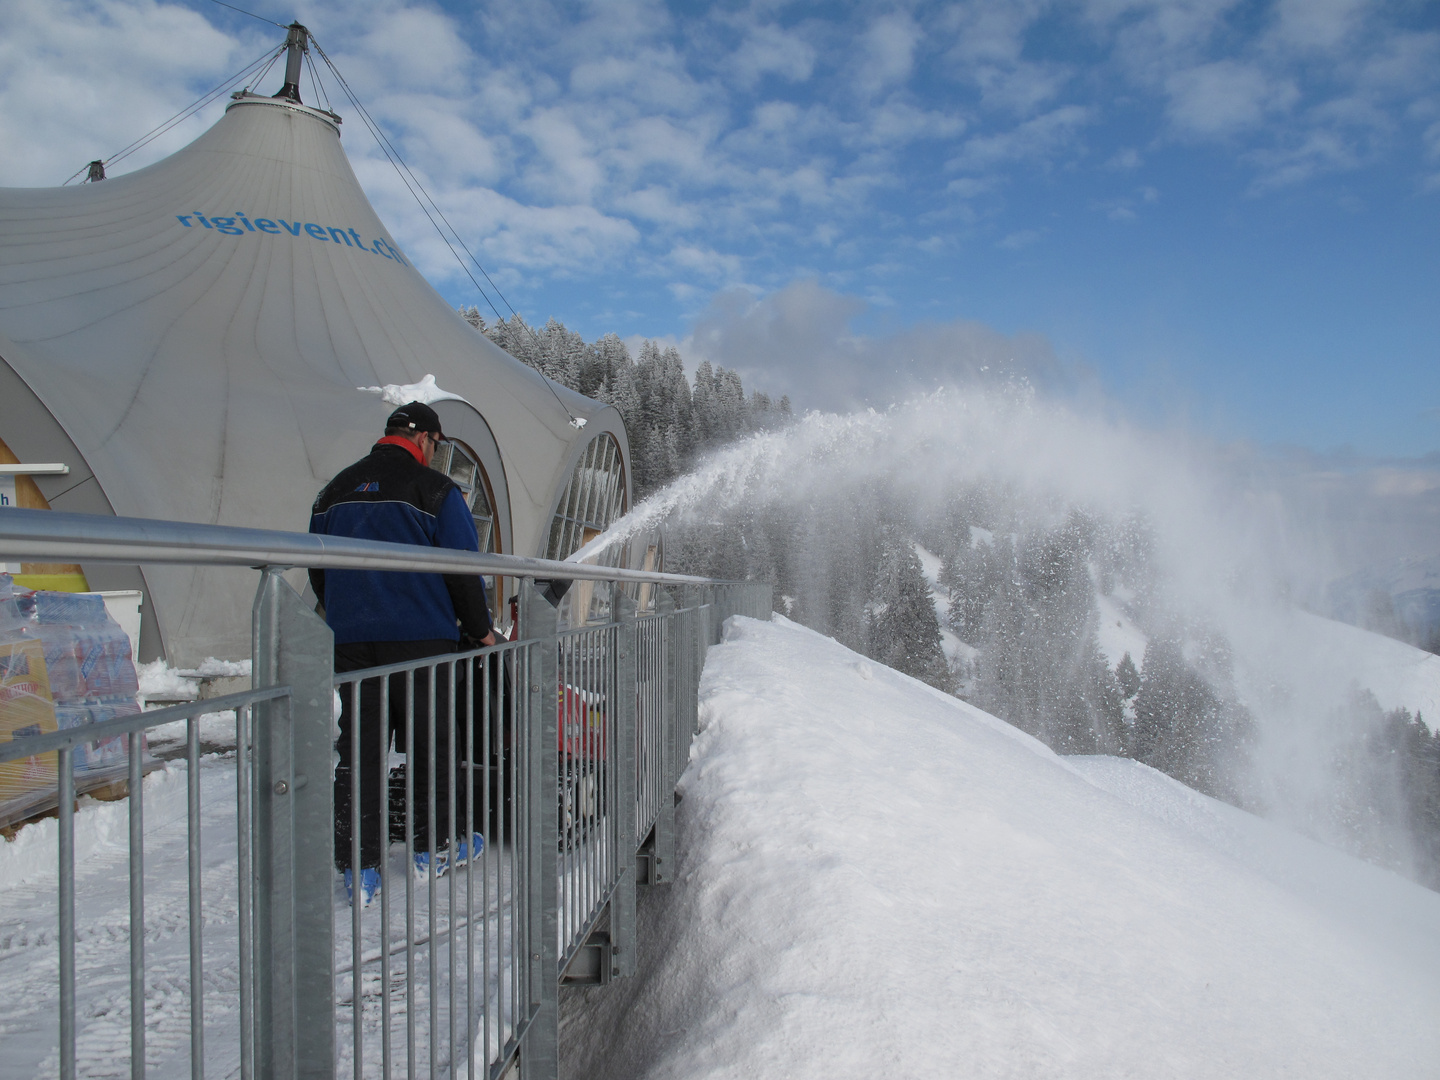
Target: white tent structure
{"x": 191, "y": 339}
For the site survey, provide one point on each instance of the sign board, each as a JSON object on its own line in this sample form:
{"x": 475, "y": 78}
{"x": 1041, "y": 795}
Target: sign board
{"x": 7, "y": 499}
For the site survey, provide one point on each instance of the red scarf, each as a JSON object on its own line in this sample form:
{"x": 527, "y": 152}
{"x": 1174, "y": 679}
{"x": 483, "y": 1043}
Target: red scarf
{"x": 400, "y": 440}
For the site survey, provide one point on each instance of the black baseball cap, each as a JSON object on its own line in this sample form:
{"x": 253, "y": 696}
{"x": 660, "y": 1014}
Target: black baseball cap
{"x": 417, "y": 416}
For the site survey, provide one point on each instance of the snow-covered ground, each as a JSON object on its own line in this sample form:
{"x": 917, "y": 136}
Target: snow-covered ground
{"x": 878, "y": 880}
{"x": 875, "y": 879}
{"x": 1400, "y": 675}
{"x": 29, "y": 965}
{"x": 29, "y": 976}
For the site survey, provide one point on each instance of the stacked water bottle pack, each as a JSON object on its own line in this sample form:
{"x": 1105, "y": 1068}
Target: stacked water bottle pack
{"x": 64, "y": 663}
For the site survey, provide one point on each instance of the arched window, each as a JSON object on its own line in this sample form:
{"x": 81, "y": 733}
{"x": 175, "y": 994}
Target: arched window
{"x": 593, "y": 499}
{"x": 461, "y": 464}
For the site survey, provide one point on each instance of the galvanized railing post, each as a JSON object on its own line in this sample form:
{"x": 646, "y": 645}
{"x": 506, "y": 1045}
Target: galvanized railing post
{"x": 540, "y": 1052}
{"x": 716, "y": 619}
{"x": 623, "y": 932}
{"x": 662, "y": 872}
{"x": 294, "y": 950}
{"x": 696, "y": 641}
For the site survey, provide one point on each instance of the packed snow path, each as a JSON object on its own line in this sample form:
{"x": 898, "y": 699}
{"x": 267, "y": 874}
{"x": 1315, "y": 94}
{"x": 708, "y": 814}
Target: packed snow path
{"x": 29, "y": 965}
{"x": 877, "y": 880}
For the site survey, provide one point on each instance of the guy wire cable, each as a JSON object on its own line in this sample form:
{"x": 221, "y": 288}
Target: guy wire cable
{"x": 252, "y": 15}
{"x": 203, "y": 101}
{"x": 398, "y": 163}
{"x": 186, "y": 112}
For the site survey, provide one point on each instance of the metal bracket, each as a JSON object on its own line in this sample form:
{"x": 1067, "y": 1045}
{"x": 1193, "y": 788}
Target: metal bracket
{"x": 592, "y": 964}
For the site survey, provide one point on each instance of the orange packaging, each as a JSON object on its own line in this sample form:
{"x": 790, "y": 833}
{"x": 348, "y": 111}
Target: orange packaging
{"x": 26, "y": 708}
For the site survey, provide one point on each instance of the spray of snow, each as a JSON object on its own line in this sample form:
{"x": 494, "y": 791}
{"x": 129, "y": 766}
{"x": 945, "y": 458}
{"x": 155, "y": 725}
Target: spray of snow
{"x": 1228, "y": 554}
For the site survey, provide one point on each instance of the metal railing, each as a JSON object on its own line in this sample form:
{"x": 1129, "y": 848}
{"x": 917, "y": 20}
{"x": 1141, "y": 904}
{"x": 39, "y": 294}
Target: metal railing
{"x": 552, "y": 758}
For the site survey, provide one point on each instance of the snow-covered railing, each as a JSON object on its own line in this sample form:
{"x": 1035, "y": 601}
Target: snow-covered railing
{"x": 570, "y": 742}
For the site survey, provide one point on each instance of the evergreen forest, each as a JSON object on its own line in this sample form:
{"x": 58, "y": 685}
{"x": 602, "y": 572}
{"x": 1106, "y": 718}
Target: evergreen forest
{"x": 669, "y": 421}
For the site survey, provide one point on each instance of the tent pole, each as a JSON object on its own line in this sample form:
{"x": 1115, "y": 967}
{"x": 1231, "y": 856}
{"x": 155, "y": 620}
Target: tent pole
{"x": 296, "y": 45}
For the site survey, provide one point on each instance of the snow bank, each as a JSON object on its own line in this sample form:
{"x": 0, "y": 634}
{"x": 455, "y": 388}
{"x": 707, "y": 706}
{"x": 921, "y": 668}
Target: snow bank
{"x": 878, "y": 880}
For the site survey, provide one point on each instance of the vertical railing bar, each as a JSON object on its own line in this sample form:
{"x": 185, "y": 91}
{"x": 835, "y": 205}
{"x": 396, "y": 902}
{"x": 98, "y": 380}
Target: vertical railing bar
{"x": 409, "y": 877}
{"x": 244, "y": 824}
{"x": 520, "y": 935}
{"x": 563, "y": 878}
{"x": 383, "y": 734}
{"x": 587, "y": 763}
{"x": 582, "y": 853}
{"x": 66, "y": 913}
{"x": 612, "y": 741}
{"x": 137, "y": 909}
{"x": 520, "y": 677}
{"x": 357, "y": 873}
{"x": 432, "y": 953}
{"x": 569, "y": 832}
{"x": 568, "y": 780}
{"x": 598, "y": 758}
{"x": 576, "y": 891}
{"x": 493, "y": 841}
{"x": 597, "y": 674}
{"x": 475, "y": 856}
{"x": 584, "y": 876}
{"x": 452, "y": 683}
{"x": 601, "y": 746}
{"x": 193, "y": 853}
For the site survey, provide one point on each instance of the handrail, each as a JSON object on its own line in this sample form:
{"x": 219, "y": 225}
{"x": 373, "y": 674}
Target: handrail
{"x": 51, "y": 536}
{"x": 31, "y": 745}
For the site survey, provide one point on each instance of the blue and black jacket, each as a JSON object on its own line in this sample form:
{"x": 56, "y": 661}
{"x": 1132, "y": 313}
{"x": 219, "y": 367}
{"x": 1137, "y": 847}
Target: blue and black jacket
{"x": 391, "y": 496}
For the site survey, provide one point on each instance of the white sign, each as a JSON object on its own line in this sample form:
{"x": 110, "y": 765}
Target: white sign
{"x": 7, "y": 499}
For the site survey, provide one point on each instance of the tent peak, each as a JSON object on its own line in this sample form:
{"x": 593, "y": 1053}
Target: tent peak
{"x": 296, "y": 46}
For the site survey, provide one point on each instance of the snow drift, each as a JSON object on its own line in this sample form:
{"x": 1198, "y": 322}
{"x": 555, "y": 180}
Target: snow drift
{"x": 877, "y": 879}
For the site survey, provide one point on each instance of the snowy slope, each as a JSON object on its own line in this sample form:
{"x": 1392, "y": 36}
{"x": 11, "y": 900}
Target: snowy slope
{"x": 878, "y": 880}
{"x": 1400, "y": 675}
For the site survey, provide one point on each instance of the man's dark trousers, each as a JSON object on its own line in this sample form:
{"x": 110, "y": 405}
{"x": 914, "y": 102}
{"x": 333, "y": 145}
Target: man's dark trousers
{"x": 374, "y": 771}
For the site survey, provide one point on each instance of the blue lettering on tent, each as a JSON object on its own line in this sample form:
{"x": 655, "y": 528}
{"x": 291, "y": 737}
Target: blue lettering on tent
{"x": 238, "y": 224}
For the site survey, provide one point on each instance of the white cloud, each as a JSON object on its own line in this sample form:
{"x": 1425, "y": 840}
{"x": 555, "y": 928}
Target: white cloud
{"x": 800, "y": 337}
{"x": 707, "y": 263}
{"x": 1224, "y": 97}
{"x": 1040, "y": 138}
{"x": 970, "y": 187}
{"x": 1319, "y": 151}
{"x": 571, "y": 138}
{"x": 770, "y": 50}
{"x": 1022, "y": 239}
{"x": 887, "y": 52}
{"x": 1321, "y": 25}
{"x": 80, "y": 80}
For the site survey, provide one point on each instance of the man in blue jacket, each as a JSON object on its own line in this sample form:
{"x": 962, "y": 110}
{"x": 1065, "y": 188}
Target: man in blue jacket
{"x": 392, "y": 617}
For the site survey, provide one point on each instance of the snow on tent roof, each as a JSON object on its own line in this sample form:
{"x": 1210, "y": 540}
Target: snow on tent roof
{"x": 190, "y": 338}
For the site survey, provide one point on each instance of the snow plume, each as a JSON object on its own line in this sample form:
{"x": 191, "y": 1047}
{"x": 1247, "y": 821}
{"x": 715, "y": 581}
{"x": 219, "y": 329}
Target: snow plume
{"x": 1048, "y": 518}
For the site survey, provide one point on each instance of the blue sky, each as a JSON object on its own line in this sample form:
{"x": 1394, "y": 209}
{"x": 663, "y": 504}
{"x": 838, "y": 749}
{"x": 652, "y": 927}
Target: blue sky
{"x": 1224, "y": 214}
